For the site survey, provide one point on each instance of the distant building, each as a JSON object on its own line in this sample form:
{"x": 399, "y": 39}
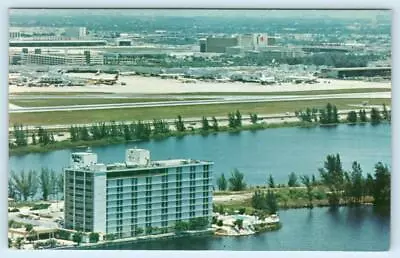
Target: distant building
{"x": 76, "y": 32}
{"x": 122, "y": 198}
{"x": 57, "y": 43}
{"x": 219, "y": 44}
{"x": 236, "y": 43}
{"x": 351, "y": 72}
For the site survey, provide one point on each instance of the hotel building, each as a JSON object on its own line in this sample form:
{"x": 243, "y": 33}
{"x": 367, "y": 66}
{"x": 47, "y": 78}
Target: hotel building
{"x": 136, "y": 196}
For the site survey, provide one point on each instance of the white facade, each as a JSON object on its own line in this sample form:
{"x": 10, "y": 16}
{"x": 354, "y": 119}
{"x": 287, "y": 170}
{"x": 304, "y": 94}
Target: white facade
{"x": 122, "y": 198}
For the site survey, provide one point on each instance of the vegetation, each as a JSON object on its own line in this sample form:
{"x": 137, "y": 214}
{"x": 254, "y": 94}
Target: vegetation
{"x": 222, "y": 183}
{"x": 94, "y": 237}
{"x": 332, "y": 175}
{"x": 77, "y": 237}
{"x": 293, "y": 180}
{"x": 265, "y": 201}
{"x": 24, "y": 186}
{"x": 236, "y": 182}
{"x": 271, "y": 182}
{"x": 308, "y": 184}
{"x": 149, "y": 113}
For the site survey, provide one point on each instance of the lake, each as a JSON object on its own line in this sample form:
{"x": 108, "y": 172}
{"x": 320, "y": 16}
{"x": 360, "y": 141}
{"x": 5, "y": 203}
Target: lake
{"x": 257, "y": 154}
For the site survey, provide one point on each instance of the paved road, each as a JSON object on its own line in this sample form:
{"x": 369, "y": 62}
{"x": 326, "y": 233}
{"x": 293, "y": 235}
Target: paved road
{"x": 226, "y": 100}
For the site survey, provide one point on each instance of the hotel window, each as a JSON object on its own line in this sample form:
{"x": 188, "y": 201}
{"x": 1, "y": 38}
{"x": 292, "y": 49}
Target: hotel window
{"x": 134, "y": 181}
{"x": 192, "y": 168}
{"x": 206, "y": 167}
{"x": 179, "y": 170}
{"x": 119, "y": 182}
{"x": 148, "y": 180}
{"x": 205, "y": 212}
{"x": 192, "y": 214}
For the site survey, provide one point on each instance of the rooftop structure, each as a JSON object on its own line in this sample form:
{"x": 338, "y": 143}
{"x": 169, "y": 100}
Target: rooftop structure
{"x": 58, "y": 43}
{"x": 137, "y": 196}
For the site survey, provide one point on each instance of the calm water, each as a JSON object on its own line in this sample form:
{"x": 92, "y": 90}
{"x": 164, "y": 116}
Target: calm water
{"x": 320, "y": 229}
{"x": 257, "y": 154}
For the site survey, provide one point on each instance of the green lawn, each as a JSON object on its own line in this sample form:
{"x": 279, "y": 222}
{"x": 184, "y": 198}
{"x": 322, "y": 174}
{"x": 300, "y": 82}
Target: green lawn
{"x": 129, "y": 114}
{"x": 86, "y": 101}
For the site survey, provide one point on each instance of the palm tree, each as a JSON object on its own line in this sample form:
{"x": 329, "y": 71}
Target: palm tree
{"x": 45, "y": 182}
{"x": 25, "y": 183}
{"x": 237, "y": 181}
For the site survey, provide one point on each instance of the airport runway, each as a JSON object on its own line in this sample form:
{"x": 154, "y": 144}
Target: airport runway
{"x": 225, "y": 100}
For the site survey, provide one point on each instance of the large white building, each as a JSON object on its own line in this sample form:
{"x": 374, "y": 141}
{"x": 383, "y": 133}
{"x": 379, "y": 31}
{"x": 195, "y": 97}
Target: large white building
{"x": 120, "y": 198}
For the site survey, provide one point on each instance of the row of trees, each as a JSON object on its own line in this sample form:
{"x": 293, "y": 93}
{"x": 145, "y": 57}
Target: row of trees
{"x": 352, "y": 186}
{"x": 376, "y": 116}
{"x": 327, "y": 115}
{"x": 25, "y": 185}
{"x": 21, "y": 135}
{"x": 234, "y": 183}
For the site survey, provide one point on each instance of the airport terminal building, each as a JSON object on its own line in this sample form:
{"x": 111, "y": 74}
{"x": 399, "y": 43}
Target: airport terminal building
{"x": 121, "y": 198}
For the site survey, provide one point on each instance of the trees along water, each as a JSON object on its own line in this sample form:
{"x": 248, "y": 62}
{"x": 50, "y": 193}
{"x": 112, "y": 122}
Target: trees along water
{"x": 332, "y": 176}
{"x": 308, "y": 184}
{"x": 222, "y": 183}
{"x": 236, "y": 181}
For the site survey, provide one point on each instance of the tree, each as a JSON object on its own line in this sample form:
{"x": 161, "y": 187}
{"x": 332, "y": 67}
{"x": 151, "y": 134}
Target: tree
{"x": 272, "y": 203}
{"x": 10, "y": 243}
{"x": 253, "y": 118}
{"x": 94, "y": 237}
{"x": 33, "y": 139}
{"x": 375, "y": 116}
{"x": 60, "y": 183}
{"x": 222, "y": 183}
{"x": 28, "y": 227}
{"x": 385, "y": 113}
{"x": 231, "y": 120}
{"x": 205, "y": 125}
{"x": 215, "y": 124}
{"x": 139, "y": 231}
{"x": 271, "y": 182}
{"x": 236, "y": 182}
{"x": 314, "y": 180}
{"x": 352, "y": 117}
{"x": 357, "y": 183}
{"x": 180, "y": 127}
{"x": 308, "y": 184}
{"x": 25, "y": 183}
{"x": 77, "y": 237}
{"x": 265, "y": 201}
{"x": 12, "y": 192}
{"x": 238, "y": 223}
{"x": 381, "y": 189}
{"x": 292, "y": 180}
{"x": 220, "y": 223}
{"x": 335, "y": 115}
{"x": 149, "y": 230}
{"x": 333, "y": 177}
{"x": 363, "y": 115}
{"x": 181, "y": 226}
{"x": 45, "y": 182}
{"x": 238, "y": 120}
{"x": 18, "y": 242}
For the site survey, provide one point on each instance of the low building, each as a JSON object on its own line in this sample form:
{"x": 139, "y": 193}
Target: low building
{"x": 136, "y": 197}
{"x": 351, "y": 72}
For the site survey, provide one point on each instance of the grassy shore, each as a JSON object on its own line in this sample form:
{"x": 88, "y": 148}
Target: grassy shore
{"x": 83, "y": 144}
{"x": 148, "y": 113}
{"x": 87, "y": 101}
{"x": 288, "y": 198}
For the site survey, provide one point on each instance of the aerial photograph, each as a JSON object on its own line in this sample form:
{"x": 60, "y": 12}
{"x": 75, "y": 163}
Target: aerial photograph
{"x": 199, "y": 129}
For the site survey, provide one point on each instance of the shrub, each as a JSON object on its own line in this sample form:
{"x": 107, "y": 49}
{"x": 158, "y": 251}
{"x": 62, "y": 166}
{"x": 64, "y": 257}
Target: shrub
{"x": 40, "y": 206}
{"x": 220, "y": 223}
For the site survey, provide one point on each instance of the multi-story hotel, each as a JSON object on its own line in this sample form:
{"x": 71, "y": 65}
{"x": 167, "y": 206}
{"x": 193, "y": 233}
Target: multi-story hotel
{"x": 120, "y": 198}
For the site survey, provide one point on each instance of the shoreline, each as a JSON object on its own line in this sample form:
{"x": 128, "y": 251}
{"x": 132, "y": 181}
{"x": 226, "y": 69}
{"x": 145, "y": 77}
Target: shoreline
{"x": 67, "y": 144}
